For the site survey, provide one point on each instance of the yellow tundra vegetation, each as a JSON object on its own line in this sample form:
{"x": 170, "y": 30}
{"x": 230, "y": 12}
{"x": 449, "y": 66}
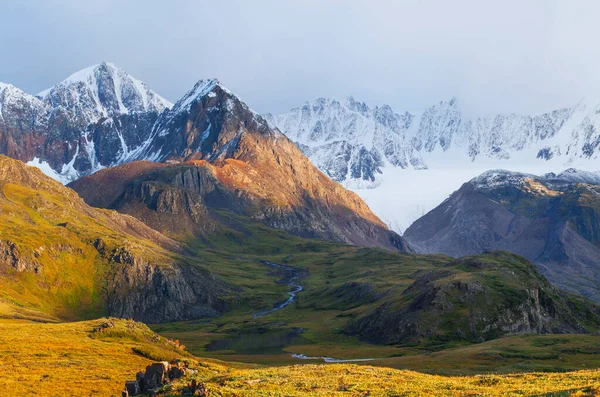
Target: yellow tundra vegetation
{"x": 355, "y": 380}
{"x": 90, "y": 359}
{"x": 75, "y": 359}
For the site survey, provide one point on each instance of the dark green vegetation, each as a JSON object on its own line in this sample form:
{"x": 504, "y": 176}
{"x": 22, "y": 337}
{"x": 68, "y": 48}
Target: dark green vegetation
{"x": 494, "y": 291}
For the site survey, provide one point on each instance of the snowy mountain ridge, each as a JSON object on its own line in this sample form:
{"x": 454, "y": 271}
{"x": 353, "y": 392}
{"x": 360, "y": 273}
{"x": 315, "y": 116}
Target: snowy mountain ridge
{"x": 343, "y": 136}
{"x": 381, "y": 154}
{"x": 95, "y": 118}
{"x": 350, "y": 141}
{"x": 103, "y": 90}
{"x": 100, "y": 117}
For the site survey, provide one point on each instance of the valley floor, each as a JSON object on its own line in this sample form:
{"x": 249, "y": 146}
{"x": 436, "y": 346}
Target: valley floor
{"x": 94, "y": 358}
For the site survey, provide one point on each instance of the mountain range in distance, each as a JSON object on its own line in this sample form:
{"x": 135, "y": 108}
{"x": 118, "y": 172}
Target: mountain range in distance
{"x": 101, "y": 116}
{"x": 401, "y": 164}
{"x": 382, "y": 154}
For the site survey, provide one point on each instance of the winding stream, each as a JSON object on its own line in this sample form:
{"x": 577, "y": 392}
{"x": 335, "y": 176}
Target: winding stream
{"x": 292, "y": 275}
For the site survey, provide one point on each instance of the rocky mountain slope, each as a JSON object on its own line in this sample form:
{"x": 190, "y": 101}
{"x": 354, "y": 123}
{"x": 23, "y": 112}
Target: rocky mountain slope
{"x": 222, "y": 155}
{"x": 551, "y": 220}
{"x": 101, "y": 117}
{"x": 355, "y": 144}
{"x": 93, "y": 119}
{"x": 63, "y": 258}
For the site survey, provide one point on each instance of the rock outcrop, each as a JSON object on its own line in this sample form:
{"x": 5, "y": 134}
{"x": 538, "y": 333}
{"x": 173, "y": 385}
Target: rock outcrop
{"x": 11, "y": 256}
{"x": 152, "y": 293}
{"x": 156, "y": 375}
{"x": 476, "y": 299}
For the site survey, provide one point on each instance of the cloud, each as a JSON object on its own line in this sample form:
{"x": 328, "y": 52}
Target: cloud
{"x": 494, "y": 56}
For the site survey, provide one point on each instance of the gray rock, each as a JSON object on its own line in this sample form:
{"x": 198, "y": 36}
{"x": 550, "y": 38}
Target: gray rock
{"x": 132, "y": 387}
{"x": 157, "y": 374}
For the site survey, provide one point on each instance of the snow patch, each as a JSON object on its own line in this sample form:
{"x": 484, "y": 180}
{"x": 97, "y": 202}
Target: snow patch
{"x": 47, "y": 169}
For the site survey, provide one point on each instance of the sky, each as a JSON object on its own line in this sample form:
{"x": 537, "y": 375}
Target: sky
{"x": 504, "y": 56}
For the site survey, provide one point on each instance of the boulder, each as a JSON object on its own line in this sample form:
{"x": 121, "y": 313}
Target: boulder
{"x": 177, "y": 370}
{"x": 139, "y": 377}
{"x": 197, "y": 389}
{"x": 132, "y": 387}
{"x": 157, "y": 374}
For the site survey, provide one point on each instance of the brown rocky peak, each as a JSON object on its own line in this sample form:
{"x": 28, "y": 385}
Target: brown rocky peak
{"x": 216, "y": 146}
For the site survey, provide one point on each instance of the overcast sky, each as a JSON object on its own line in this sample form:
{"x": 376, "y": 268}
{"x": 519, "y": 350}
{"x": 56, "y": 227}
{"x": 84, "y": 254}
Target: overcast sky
{"x": 521, "y": 56}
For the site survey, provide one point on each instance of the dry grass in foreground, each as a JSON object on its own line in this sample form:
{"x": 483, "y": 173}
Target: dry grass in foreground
{"x": 354, "y": 380}
{"x": 71, "y": 359}
{"x": 91, "y": 358}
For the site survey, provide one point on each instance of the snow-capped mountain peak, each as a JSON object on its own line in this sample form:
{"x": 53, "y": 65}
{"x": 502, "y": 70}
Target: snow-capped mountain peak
{"x": 17, "y": 101}
{"x": 213, "y": 89}
{"x": 201, "y": 89}
{"x": 97, "y": 117}
{"x": 497, "y": 178}
{"x": 575, "y": 176}
{"x": 103, "y": 90}
{"x": 11, "y": 92}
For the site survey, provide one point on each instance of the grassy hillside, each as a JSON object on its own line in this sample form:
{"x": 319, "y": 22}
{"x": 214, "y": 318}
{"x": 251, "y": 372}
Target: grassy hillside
{"x": 87, "y": 359}
{"x": 55, "y": 267}
{"x": 63, "y": 260}
{"x": 76, "y": 359}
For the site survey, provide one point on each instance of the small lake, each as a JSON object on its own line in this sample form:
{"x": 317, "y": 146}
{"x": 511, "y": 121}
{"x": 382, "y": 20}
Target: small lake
{"x": 270, "y": 342}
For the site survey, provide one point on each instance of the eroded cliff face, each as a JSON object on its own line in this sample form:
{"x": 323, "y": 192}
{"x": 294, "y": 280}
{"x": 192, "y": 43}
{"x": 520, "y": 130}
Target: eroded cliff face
{"x": 136, "y": 288}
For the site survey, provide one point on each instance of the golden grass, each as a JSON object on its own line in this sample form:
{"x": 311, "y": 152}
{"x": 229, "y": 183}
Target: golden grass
{"x": 39, "y": 359}
{"x": 69, "y": 359}
{"x": 355, "y": 380}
